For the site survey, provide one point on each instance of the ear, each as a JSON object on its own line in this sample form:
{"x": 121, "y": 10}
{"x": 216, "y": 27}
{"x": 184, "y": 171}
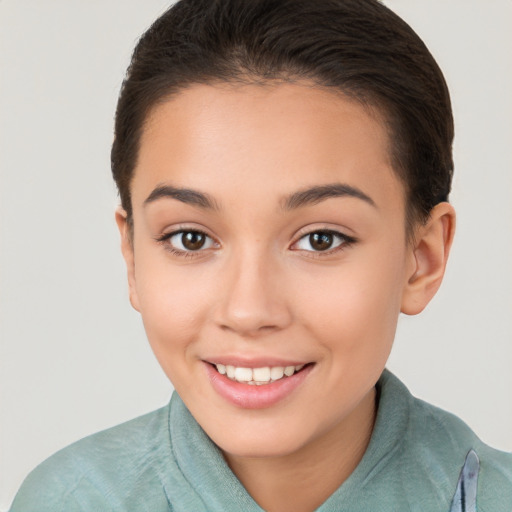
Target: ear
{"x": 429, "y": 256}
{"x": 128, "y": 254}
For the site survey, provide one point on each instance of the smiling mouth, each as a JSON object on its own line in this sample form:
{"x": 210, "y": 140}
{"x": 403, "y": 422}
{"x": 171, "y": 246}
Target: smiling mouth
{"x": 258, "y": 376}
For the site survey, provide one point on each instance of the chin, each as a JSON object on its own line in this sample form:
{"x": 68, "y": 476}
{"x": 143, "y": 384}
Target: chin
{"x": 259, "y": 442}
{"x": 264, "y": 448}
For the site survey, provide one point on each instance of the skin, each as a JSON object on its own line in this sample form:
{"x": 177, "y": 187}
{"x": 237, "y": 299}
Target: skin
{"x": 259, "y": 289}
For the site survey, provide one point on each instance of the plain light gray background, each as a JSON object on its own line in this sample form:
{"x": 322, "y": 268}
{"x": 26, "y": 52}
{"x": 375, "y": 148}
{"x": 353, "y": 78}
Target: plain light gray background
{"x": 73, "y": 355}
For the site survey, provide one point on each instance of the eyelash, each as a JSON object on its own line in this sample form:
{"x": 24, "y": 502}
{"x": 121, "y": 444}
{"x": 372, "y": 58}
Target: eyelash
{"x": 165, "y": 241}
{"x": 345, "y": 242}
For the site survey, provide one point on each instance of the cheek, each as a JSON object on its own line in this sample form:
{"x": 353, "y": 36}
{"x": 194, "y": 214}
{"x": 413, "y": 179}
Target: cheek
{"x": 356, "y": 305}
{"x": 174, "y": 302}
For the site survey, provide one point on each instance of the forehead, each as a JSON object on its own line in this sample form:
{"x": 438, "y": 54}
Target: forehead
{"x": 263, "y": 139}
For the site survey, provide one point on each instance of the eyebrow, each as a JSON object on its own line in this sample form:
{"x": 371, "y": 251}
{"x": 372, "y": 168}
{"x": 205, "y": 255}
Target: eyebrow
{"x": 315, "y": 195}
{"x": 185, "y": 195}
{"x": 306, "y": 197}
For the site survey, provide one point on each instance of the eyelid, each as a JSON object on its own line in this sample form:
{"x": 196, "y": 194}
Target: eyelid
{"x": 347, "y": 240}
{"x": 207, "y": 244}
{"x": 315, "y": 227}
{"x": 165, "y": 237}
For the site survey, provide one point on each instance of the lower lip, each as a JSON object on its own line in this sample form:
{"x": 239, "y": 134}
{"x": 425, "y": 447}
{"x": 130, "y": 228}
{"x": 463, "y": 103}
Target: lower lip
{"x": 247, "y": 396}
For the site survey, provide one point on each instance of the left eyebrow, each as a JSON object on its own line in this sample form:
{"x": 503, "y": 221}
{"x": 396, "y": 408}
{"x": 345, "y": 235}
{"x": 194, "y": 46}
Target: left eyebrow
{"x": 185, "y": 195}
{"x": 317, "y": 194}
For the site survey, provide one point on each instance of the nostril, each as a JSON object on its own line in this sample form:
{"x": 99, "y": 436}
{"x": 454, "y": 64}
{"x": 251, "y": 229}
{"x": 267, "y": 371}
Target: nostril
{"x": 249, "y": 331}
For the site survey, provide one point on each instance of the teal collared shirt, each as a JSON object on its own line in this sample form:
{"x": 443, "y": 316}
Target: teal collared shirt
{"x": 164, "y": 461}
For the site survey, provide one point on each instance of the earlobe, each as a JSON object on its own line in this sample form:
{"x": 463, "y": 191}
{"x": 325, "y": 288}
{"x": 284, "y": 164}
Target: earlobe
{"x": 429, "y": 257}
{"x": 128, "y": 255}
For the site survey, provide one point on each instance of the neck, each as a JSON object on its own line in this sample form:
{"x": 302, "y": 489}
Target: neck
{"x": 301, "y": 481}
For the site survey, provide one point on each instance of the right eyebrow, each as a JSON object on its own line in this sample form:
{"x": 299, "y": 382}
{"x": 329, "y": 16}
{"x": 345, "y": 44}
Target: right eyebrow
{"x": 185, "y": 195}
{"x": 319, "y": 193}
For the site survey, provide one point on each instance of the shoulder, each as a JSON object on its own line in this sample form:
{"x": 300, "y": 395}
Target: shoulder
{"x": 103, "y": 471}
{"x": 449, "y": 441}
{"x": 434, "y": 447}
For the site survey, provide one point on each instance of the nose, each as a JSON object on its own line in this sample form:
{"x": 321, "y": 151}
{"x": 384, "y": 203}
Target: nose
{"x": 253, "y": 299}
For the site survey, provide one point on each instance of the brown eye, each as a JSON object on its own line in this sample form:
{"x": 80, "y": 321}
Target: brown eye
{"x": 189, "y": 241}
{"x": 193, "y": 240}
{"x": 321, "y": 241}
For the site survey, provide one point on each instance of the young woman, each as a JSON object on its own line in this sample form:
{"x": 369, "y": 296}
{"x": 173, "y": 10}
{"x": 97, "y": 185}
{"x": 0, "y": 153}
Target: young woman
{"x": 284, "y": 170}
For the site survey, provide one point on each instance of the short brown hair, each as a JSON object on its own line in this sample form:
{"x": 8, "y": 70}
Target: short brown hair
{"x": 358, "y": 47}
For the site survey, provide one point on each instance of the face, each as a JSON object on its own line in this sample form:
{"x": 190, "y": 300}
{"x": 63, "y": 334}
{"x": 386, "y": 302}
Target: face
{"x": 269, "y": 243}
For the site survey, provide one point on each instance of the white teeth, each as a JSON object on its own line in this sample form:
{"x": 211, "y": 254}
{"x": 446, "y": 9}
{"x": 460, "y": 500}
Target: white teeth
{"x": 243, "y": 374}
{"x": 261, "y": 374}
{"x": 257, "y": 376}
{"x": 230, "y": 371}
{"x": 289, "y": 371}
{"x": 276, "y": 372}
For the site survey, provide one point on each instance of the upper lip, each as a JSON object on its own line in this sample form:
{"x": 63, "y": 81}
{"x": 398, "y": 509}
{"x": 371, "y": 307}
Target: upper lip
{"x": 254, "y": 362}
